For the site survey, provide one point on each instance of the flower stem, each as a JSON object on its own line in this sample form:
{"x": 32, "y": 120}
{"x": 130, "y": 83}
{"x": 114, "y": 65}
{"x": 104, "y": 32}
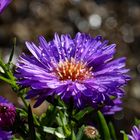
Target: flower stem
{"x": 23, "y": 100}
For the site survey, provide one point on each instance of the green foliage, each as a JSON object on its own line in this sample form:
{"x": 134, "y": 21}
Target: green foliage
{"x": 112, "y": 131}
{"x": 137, "y": 121}
{"x": 80, "y": 133}
{"x": 125, "y": 137}
{"x": 104, "y": 130}
{"x": 12, "y": 52}
{"x": 73, "y": 136}
{"x": 6, "y": 73}
{"x": 53, "y": 131}
{"x": 82, "y": 113}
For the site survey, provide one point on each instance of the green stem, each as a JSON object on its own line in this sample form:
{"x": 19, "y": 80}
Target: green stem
{"x": 71, "y": 124}
{"x": 36, "y": 121}
{"x": 23, "y": 100}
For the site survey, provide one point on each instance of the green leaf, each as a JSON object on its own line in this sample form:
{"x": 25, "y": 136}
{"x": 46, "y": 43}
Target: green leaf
{"x": 63, "y": 117}
{"x": 63, "y": 122}
{"x": 60, "y": 102}
{"x": 80, "y": 133}
{"x": 12, "y": 52}
{"x": 3, "y": 66}
{"x": 53, "y": 131}
{"x": 31, "y": 124}
{"x": 59, "y": 135}
{"x": 67, "y": 130}
{"x": 7, "y": 74}
{"x": 137, "y": 121}
{"x": 19, "y": 138}
{"x": 22, "y": 112}
{"x": 51, "y": 112}
{"x": 73, "y": 136}
{"x": 49, "y": 130}
{"x": 125, "y": 137}
{"x": 82, "y": 113}
{"x": 112, "y": 131}
{"x": 103, "y": 126}
{"x": 59, "y": 121}
{"x": 60, "y": 130}
{"x": 6, "y": 80}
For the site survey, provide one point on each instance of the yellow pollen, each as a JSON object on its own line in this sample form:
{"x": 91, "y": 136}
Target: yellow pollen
{"x": 73, "y": 70}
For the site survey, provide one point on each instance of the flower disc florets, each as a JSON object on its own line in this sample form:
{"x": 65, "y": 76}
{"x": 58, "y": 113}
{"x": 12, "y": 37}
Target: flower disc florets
{"x": 72, "y": 70}
{"x": 79, "y": 70}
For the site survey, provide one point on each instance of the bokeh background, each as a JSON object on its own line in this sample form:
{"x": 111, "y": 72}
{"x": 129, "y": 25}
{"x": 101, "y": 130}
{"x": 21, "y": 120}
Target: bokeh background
{"x": 116, "y": 20}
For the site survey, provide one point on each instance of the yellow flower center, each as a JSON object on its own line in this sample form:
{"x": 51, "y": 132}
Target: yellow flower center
{"x": 73, "y": 70}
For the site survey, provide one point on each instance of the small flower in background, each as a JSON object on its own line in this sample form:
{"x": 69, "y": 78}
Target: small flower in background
{"x": 79, "y": 70}
{"x": 135, "y": 133}
{"x": 4, "y": 4}
{"x": 4, "y": 135}
{"x": 90, "y": 133}
{"x": 7, "y": 113}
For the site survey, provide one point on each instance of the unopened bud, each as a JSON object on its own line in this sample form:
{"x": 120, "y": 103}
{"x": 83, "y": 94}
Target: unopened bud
{"x": 7, "y": 113}
{"x": 91, "y": 133}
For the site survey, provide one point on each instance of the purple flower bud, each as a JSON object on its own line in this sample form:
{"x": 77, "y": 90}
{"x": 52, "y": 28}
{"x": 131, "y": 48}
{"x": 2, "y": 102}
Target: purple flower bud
{"x": 7, "y": 113}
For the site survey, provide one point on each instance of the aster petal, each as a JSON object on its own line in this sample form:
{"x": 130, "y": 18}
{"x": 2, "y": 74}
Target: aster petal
{"x": 32, "y": 93}
{"x": 61, "y": 90}
{"x": 45, "y": 47}
{"x": 78, "y": 101}
{"x": 110, "y": 110}
{"x": 36, "y": 52}
{"x": 102, "y": 56}
{"x": 59, "y": 43}
{"x": 80, "y": 86}
{"x": 4, "y": 4}
{"x": 87, "y": 48}
{"x": 5, "y": 135}
{"x": 135, "y": 133}
{"x": 42, "y": 98}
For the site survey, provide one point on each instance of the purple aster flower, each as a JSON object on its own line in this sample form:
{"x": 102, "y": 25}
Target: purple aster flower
{"x": 4, "y": 4}
{"x": 7, "y": 113}
{"x": 80, "y": 70}
{"x": 4, "y": 135}
{"x": 135, "y": 133}
{"x": 112, "y": 109}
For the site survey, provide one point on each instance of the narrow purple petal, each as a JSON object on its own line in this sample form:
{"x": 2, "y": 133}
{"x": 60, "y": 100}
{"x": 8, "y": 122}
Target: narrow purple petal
{"x": 4, "y": 4}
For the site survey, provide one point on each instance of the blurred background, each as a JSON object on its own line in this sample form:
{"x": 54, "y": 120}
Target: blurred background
{"x": 117, "y": 21}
